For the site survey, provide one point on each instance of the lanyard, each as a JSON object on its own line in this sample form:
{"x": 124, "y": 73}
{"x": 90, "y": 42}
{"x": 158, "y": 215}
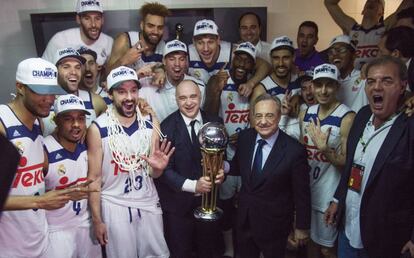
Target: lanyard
{"x": 379, "y": 130}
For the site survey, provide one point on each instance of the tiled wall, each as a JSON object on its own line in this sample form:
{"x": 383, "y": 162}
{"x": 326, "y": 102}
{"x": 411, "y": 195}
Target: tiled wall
{"x": 17, "y": 43}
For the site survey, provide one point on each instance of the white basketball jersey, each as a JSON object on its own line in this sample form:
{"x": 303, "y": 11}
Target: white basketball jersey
{"x": 72, "y": 38}
{"x": 49, "y": 123}
{"x": 234, "y": 110}
{"x": 367, "y": 41}
{"x": 117, "y": 186}
{"x": 198, "y": 69}
{"x": 66, "y": 169}
{"x": 324, "y": 177}
{"x": 156, "y": 57}
{"x": 275, "y": 89}
{"x": 24, "y": 233}
{"x": 352, "y": 91}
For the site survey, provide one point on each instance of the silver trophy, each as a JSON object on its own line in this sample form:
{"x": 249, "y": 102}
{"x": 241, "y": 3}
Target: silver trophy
{"x": 213, "y": 140}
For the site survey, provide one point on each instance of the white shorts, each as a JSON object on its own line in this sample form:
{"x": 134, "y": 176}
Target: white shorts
{"x": 133, "y": 232}
{"x": 72, "y": 243}
{"x": 321, "y": 233}
{"x": 229, "y": 187}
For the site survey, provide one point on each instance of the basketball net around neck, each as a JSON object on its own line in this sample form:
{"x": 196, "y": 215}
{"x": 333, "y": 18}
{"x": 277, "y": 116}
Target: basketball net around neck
{"x": 125, "y": 150}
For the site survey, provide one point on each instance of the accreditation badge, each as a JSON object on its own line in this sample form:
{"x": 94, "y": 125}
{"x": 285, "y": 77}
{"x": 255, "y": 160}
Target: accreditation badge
{"x": 355, "y": 180}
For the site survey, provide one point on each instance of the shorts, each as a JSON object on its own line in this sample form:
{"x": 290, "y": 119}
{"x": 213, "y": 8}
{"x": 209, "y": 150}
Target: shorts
{"x": 133, "y": 232}
{"x": 321, "y": 233}
{"x": 72, "y": 242}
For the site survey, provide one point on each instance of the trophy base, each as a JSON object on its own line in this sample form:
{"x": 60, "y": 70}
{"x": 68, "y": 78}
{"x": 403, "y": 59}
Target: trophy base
{"x": 201, "y": 214}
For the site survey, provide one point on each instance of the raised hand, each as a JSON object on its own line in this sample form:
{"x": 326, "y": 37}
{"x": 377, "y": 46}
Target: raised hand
{"x": 320, "y": 139}
{"x": 286, "y": 103}
{"x": 133, "y": 54}
{"x": 222, "y": 76}
{"x": 158, "y": 160}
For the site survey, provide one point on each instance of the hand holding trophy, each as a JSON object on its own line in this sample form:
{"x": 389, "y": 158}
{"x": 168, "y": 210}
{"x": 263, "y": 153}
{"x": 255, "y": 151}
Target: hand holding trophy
{"x": 213, "y": 141}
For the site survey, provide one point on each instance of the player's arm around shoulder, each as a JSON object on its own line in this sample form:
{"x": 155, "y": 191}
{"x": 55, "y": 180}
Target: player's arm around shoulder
{"x": 119, "y": 49}
{"x": 98, "y": 104}
{"x": 344, "y": 21}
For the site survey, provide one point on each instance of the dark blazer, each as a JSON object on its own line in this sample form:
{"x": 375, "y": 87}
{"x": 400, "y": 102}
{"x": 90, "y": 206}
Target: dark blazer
{"x": 184, "y": 164}
{"x": 269, "y": 200}
{"x": 387, "y": 205}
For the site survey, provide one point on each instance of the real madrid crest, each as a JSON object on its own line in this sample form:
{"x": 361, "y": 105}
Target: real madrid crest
{"x": 61, "y": 170}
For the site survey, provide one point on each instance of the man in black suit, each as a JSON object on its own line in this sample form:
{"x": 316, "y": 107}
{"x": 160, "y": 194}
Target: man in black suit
{"x": 275, "y": 182}
{"x": 181, "y": 185}
{"x": 374, "y": 202}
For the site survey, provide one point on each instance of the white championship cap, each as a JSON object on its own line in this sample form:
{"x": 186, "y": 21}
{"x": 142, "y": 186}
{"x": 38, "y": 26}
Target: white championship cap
{"x": 173, "y": 46}
{"x": 343, "y": 39}
{"x": 69, "y": 102}
{"x": 282, "y": 42}
{"x": 88, "y": 6}
{"x": 120, "y": 75}
{"x": 326, "y": 71}
{"x": 67, "y": 53}
{"x": 39, "y": 75}
{"x": 248, "y": 48}
{"x": 205, "y": 27}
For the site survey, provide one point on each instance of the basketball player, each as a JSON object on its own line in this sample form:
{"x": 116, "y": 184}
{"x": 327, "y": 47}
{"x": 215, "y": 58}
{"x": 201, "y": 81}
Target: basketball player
{"x": 23, "y": 231}
{"x": 124, "y": 157}
{"x": 69, "y": 226}
{"x": 325, "y": 127}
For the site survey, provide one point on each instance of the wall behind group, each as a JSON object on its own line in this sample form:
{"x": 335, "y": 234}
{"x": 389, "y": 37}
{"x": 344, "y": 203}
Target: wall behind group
{"x": 284, "y": 16}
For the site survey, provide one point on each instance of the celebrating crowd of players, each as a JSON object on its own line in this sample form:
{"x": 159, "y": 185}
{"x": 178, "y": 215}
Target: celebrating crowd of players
{"x": 110, "y": 164}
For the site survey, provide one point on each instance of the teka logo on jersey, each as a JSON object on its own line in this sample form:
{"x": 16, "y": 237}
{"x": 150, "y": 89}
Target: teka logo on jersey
{"x": 367, "y": 51}
{"x": 28, "y": 176}
{"x": 48, "y": 73}
{"x": 88, "y": 3}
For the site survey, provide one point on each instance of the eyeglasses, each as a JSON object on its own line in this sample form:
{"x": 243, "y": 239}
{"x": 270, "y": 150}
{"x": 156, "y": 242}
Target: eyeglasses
{"x": 337, "y": 50}
{"x": 267, "y": 116}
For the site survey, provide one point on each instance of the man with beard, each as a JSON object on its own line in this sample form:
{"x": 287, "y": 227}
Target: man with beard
{"x": 89, "y": 80}
{"x": 223, "y": 99}
{"x": 368, "y": 33}
{"x": 306, "y": 91}
{"x": 281, "y": 83}
{"x": 341, "y": 53}
{"x": 89, "y": 16}
{"x": 135, "y": 49}
{"x": 23, "y": 232}
{"x": 306, "y": 56}
{"x": 124, "y": 157}
{"x": 250, "y": 27}
{"x": 67, "y": 165}
{"x": 324, "y": 131}
{"x": 69, "y": 64}
{"x": 175, "y": 61}
{"x": 208, "y": 55}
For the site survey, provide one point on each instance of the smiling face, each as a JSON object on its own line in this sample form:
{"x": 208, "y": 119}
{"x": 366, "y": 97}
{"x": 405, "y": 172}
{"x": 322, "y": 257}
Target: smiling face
{"x": 306, "y": 40}
{"x": 249, "y": 29}
{"x": 373, "y": 9}
{"x": 282, "y": 62}
{"x": 266, "y": 117}
{"x": 340, "y": 55}
{"x": 176, "y": 65}
{"x": 243, "y": 65}
{"x": 208, "y": 47}
{"x": 69, "y": 74}
{"x": 152, "y": 28}
{"x": 90, "y": 24}
{"x": 188, "y": 97}
{"x": 71, "y": 125}
{"x": 125, "y": 98}
{"x": 384, "y": 89}
{"x": 324, "y": 90}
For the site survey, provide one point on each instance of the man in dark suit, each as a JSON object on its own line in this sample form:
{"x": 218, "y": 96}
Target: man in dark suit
{"x": 374, "y": 202}
{"x": 181, "y": 185}
{"x": 275, "y": 182}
